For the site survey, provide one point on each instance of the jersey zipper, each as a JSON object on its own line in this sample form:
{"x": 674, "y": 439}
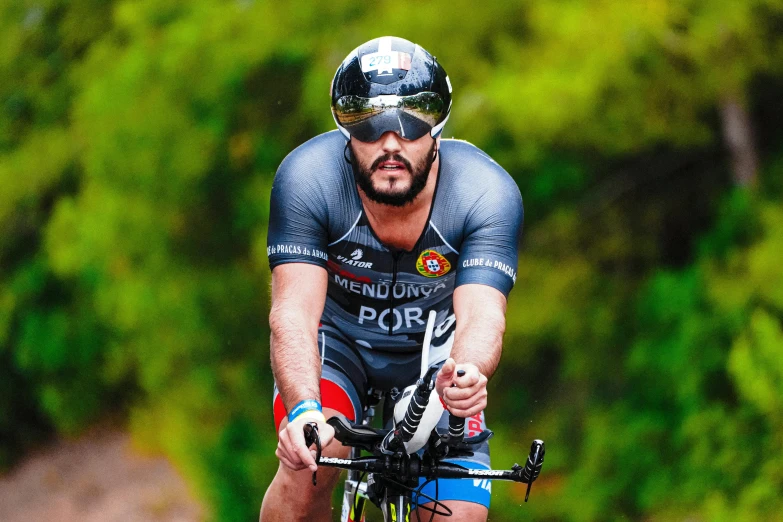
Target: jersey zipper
{"x": 396, "y": 257}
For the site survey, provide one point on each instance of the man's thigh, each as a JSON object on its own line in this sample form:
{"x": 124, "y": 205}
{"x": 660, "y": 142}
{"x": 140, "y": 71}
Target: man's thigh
{"x": 343, "y": 378}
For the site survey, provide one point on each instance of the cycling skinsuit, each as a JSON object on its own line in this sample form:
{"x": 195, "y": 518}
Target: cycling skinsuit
{"x": 379, "y": 297}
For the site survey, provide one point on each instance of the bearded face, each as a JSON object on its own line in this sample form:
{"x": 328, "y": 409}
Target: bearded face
{"x": 392, "y": 179}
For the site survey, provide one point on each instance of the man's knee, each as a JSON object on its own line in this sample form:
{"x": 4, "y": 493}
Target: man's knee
{"x": 462, "y": 511}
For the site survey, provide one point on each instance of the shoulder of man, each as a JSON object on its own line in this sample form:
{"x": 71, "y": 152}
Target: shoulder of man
{"x": 313, "y": 192}
{"x": 482, "y": 216}
{"x": 318, "y": 158}
{"x": 471, "y": 171}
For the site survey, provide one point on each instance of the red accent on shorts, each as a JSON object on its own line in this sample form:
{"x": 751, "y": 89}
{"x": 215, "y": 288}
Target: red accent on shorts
{"x": 474, "y": 424}
{"x": 332, "y": 396}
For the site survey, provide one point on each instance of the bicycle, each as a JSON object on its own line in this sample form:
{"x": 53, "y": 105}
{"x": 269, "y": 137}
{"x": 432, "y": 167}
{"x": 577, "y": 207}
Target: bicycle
{"x": 393, "y": 474}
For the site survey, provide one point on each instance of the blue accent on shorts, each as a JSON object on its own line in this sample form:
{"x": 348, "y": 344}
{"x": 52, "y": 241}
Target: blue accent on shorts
{"x": 476, "y": 490}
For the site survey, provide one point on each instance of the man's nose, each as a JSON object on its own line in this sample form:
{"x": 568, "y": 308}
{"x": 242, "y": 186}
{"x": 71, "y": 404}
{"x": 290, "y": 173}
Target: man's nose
{"x": 391, "y": 142}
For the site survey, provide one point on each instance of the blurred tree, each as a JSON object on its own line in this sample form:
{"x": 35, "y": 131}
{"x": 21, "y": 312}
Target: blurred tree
{"x": 49, "y": 340}
{"x": 621, "y": 76}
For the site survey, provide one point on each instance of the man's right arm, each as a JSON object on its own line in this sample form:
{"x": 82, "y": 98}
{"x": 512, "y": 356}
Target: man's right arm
{"x": 298, "y": 297}
{"x": 297, "y": 243}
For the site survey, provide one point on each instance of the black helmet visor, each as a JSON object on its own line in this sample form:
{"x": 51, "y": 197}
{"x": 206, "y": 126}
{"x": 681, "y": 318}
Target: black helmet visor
{"x": 367, "y": 119}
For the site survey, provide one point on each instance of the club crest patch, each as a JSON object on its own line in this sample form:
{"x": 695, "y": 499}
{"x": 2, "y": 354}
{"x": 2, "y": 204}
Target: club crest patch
{"x": 432, "y": 264}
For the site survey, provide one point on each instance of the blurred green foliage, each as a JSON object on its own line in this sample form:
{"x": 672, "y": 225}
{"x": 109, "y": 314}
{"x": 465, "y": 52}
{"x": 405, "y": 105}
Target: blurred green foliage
{"x": 138, "y": 141}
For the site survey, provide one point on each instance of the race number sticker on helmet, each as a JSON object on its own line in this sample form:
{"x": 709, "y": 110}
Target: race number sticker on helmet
{"x": 432, "y": 264}
{"x": 385, "y": 63}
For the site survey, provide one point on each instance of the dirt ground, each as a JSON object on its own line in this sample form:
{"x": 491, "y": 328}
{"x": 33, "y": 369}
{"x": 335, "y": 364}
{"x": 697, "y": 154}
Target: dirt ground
{"x": 95, "y": 478}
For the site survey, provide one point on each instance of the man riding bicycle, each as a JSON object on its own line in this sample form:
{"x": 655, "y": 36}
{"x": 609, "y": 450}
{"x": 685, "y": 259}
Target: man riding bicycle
{"x": 371, "y": 228}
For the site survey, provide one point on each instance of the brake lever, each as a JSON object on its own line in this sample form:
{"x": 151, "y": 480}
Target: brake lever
{"x": 535, "y": 461}
{"x": 427, "y": 379}
{"x": 478, "y": 439}
{"x": 311, "y": 437}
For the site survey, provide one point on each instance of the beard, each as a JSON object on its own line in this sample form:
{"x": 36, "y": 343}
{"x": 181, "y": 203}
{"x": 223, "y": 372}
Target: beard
{"x": 396, "y": 198}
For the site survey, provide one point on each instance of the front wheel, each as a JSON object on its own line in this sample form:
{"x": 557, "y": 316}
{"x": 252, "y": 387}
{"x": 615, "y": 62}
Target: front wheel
{"x": 396, "y": 507}
{"x": 354, "y": 500}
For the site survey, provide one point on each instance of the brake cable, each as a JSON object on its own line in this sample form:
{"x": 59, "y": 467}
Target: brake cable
{"x": 311, "y": 436}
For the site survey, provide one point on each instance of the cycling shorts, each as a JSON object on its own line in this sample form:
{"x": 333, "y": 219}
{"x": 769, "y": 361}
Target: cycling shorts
{"x": 350, "y": 370}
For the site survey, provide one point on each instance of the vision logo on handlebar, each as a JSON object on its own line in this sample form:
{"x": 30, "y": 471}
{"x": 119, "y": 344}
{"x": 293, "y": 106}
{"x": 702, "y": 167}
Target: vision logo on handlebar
{"x": 485, "y": 472}
{"x": 334, "y": 460}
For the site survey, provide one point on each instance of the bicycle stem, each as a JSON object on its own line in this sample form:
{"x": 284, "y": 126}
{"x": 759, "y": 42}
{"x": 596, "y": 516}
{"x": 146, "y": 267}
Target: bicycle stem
{"x": 406, "y": 429}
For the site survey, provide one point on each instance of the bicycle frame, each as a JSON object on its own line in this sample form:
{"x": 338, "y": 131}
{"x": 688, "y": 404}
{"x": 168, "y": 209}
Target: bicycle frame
{"x": 355, "y": 491}
{"x": 355, "y": 494}
{"x": 395, "y": 505}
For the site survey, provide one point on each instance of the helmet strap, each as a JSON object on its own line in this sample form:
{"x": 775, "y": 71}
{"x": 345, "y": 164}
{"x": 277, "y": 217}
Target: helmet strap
{"x": 345, "y": 152}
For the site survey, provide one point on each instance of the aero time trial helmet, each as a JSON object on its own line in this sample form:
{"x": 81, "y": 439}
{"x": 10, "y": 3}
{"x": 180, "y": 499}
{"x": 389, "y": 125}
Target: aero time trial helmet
{"x": 390, "y": 84}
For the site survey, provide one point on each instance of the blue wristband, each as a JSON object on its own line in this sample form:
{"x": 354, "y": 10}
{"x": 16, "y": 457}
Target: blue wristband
{"x": 305, "y": 405}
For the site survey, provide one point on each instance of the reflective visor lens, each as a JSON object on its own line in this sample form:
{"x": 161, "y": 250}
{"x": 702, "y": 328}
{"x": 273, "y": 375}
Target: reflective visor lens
{"x": 366, "y": 119}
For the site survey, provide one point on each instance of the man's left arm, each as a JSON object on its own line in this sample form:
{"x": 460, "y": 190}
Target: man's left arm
{"x": 480, "y": 311}
{"x": 486, "y": 272}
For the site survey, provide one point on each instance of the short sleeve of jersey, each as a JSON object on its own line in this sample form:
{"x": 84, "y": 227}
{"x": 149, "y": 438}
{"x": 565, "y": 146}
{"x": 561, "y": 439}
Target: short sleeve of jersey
{"x": 298, "y": 211}
{"x": 489, "y": 251}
